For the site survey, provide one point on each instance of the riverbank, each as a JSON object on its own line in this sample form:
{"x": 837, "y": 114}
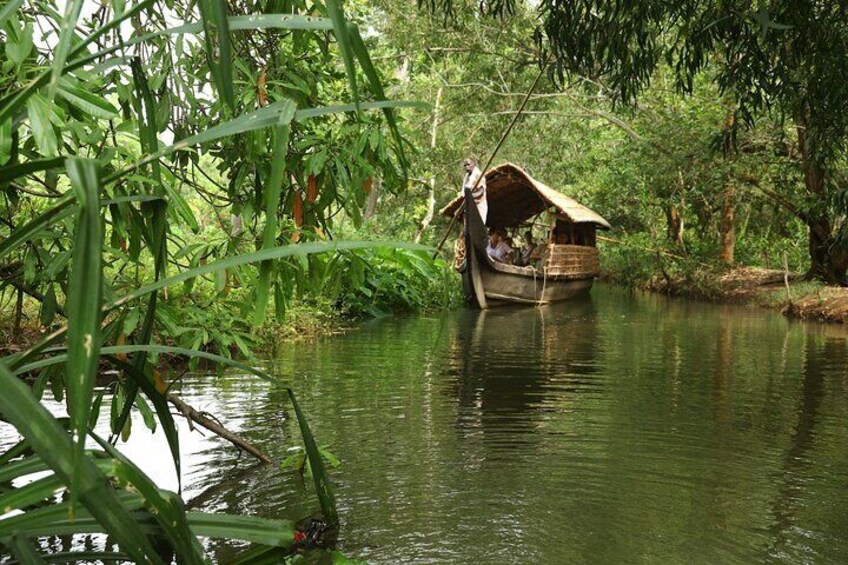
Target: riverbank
{"x": 755, "y": 287}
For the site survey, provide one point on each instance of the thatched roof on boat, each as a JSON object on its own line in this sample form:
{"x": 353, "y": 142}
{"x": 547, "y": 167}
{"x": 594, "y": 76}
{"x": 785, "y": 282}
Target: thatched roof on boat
{"x": 515, "y": 197}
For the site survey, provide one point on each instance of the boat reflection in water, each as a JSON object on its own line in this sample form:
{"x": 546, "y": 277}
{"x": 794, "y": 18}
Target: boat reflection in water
{"x": 507, "y": 362}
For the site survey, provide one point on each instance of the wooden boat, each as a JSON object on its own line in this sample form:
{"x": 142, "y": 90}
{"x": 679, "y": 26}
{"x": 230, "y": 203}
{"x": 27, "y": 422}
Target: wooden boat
{"x": 567, "y": 266}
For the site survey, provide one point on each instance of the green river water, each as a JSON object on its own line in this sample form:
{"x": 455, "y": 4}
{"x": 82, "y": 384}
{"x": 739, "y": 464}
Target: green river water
{"x": 624, "y": 428}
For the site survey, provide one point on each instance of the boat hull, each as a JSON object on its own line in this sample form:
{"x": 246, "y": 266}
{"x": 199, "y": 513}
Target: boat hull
{"x": 520, "y": 289}
{"x": 488, "y": 283}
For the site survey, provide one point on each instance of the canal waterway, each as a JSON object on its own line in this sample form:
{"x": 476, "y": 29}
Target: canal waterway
{"x": 623, "y": 428}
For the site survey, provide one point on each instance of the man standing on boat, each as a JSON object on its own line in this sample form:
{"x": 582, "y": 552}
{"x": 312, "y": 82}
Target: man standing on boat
{"x": 478, "y": 189}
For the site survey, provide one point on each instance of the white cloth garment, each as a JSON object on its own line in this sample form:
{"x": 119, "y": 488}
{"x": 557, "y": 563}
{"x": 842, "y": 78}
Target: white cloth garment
{"x": 499, "y": 253}
{"x": 478, "y": 193}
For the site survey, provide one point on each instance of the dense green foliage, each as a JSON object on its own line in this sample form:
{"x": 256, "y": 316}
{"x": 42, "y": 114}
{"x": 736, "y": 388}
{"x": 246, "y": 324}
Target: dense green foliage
{"x": 643, "y": 119}
{"x": 177, "y": 178}
{"x": 161, "y": 147}
{"x": 775, "y": 67}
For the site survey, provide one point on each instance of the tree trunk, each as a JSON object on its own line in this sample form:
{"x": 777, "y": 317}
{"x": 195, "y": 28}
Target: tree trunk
{"x": 674, "y": 220}
{"x": 431, "y": 196}
{"x": 674, "y": 225}
{"x": 828, "y": 258}
{"x": 728, "y": 228}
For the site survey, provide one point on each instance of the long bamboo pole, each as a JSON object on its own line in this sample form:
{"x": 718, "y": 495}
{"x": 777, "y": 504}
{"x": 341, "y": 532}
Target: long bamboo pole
{"x": 494, "y": 152}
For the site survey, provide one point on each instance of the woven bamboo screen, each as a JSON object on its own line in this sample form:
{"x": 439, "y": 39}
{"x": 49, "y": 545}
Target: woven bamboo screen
{"x": 571, "y": 261}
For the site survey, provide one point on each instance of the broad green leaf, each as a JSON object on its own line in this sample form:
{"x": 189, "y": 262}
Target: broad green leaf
{"x": 24, "y": 550}
{"x": 160, "y": 404}
{"x": 48, "y": 306}
{"x": 19, "y": 48}
{"x": 89, "y": 103}
{"x": 340, "y": 29}
{"x": 9, "y": 8}
{"x": 54, "y": 446}
{"x": 66, "y": 35}
{"x": 146, "y": 413}
{"x": 5, "y": 141}
{"x": 13, "y": 101}
{"x": 258, "y": 119}
{"x": 38, "y": 111}
{"x": 278, "y": 533}
{"x": 181, "y": 207}
{"x": 272, "y": 203}
{"x": 219, "y": 55}
{"x": 165, "y": 506}
{"x": 84, "y": 301}
{"x": 364, "y": 58}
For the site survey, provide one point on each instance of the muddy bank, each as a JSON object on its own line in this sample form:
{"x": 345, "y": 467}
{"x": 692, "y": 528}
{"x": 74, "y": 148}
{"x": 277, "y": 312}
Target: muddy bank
{"x": 757, "y": 287}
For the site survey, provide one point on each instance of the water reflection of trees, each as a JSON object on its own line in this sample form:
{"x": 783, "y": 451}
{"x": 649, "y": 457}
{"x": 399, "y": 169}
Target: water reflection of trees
{"x": 802, "y": 465}
{"x": 513, "y": 364}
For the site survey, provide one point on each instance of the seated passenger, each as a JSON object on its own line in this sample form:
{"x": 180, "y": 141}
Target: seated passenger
{"x": 526, "y": 253}
{"x": 498, "y": 249}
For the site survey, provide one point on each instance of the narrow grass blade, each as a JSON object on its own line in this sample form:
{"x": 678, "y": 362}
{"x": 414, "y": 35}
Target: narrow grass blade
{"x": 336, "y": 13}
{"x": 302, "y": 115}
{"x": 53, "y": 519}
{"x": 272, "y": 203}
{"x": 26, "y": 232}
{"x": 24, "y": 551}
{"x": 66, "y": 34}
{"x": 282, "y": 21}
{"x": 146, "y": 110}
{"x": 53, "y": 445}
{"x": 277, "y": 533}
{"x": 10, "y": 103}
{"x": 84, "y": 294}
{"x": 216, "y": 32}
{"x": 9, "y": 8}
{"x": 22, "y": 468}
{"x": 165, "y": 506}
{"x": 160, "y": 404}
{"x": 86, "y": 557}
{"x": 17, "y": 450}
{"x": 11, "y": 172}
{"x": 84, "y": 302}
{"x": 124, "y": 349}
{"x": 64, "y": 208}
{"x": 319, "y": 473}
{"x": 255, "y": 257}
{"x": 25, "y": 496}
{"x": 364, "y": 58}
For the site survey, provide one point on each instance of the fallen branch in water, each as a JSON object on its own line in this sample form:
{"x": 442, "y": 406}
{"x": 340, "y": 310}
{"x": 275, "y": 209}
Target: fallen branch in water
{"x": 207, "y": 422}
